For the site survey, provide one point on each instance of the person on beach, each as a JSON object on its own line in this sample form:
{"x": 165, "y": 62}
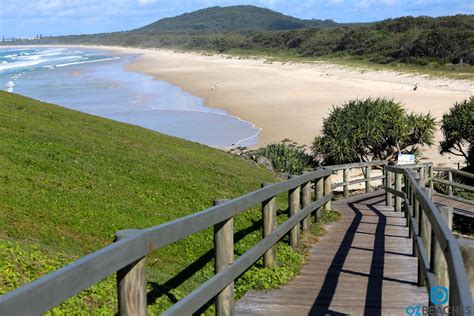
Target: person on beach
{"x": 415, "y": 87}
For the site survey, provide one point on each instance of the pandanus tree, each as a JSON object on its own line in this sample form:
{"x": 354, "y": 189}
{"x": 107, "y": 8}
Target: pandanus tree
{"x": 458, "y": 130}
{"x": 372, "y": 129}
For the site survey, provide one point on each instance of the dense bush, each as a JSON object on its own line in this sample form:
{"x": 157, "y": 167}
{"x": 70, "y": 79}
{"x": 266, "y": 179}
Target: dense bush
{"x": 458, "y": 131}
{"x": 285, "y": 157}
{"x": 364, "y": 130}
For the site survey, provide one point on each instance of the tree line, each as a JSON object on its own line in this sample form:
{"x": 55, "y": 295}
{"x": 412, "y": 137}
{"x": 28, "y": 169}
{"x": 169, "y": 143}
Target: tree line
{"x": 420, "y": 40}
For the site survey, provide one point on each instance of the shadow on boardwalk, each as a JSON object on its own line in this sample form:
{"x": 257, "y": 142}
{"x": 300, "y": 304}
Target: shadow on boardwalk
{"x": 362, "y": 266}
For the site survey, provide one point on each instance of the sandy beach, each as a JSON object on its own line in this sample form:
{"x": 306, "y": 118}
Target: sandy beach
{"x": 289, "y": 100}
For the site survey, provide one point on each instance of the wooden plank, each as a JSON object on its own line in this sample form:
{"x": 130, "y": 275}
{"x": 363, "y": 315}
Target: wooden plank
{"x": 452, "y": 184}
{"x": 456, "y": 171}
{"x": 460, "y": 292}
{"x": 350, "y": 270}
{"x": 357, "y": 165}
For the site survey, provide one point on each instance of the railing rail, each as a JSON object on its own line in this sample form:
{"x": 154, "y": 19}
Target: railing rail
{"x": 54, "y": 288}
{"x": 218, "y": 282}
{"x": 429, "y": 232}
{"x": 367, "y": 178}
{"x": 127, "y": 255}
{"x": 450, "y": 184}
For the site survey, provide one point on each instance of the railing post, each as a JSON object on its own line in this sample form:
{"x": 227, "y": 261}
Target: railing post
{"x": 450, "y": 179}
{"x": 430, "y": 175}
{"x": 406, "y": 204}
{"x": 422, "y": 174}
{"x": 327, "y": 190}
{"x": 398, "y": 187}
{"x": 345, "y": 179}
{"x": 294, "y": 198}
{"x": 388, "y": 184}
{"x": 438, "y": 261}
{"x": 224, "y": 256}
{"x": 416, "y": 215}
{"x": 269, "y": 224}
{"x": 414, "y": 235}
{"x": 406, "y": 189}
{"x": 467, "y": 252}
{"x": 368, "y": 171}
{"x": 306, "y": 200}
{"x": 131, "y": 283}
{"x": 425, "y": 233}
{"x": 319, "y": 195}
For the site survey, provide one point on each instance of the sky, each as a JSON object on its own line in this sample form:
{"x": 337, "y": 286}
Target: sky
{"x": 27, "y": 18}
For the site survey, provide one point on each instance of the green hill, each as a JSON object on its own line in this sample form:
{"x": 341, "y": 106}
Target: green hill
{"x": 440, "y": 45}
{"x": 232, "y": 18}
{"x": 69, "y": 181}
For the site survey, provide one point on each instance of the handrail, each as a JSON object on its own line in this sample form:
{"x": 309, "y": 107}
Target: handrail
{"x": 213, "y": 286}
{"x": 456, "y": 171}
{"x": 367, "y": 177}
{"x": 460, "y": 288}
{"x": 455, "y": 184}
{"x": 54, "y": 288}
{"x": 449, "y": 183}
{"x": 357, "y": 165}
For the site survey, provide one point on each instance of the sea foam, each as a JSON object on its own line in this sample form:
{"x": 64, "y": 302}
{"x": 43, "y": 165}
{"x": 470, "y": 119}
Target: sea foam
{"x": 86, "y": 62}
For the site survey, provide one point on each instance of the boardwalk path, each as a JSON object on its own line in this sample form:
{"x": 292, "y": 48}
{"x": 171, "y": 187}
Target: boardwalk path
{"x": 363, "y": 265}
{"x": 467, "y": 209}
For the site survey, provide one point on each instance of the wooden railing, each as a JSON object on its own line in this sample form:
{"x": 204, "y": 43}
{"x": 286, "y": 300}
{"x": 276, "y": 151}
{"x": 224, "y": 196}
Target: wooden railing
{"x": 127, "y": 256}
{"x": 365, "y": 167}
{"x": 450, "y": 183}
{"x": 438, "y": 251}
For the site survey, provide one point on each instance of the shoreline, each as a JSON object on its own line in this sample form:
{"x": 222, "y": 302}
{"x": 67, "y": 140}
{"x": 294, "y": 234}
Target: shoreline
{"x": 245, "y": 134}
{"x": 289, "y": 100}
{"x": 180, "y": 68}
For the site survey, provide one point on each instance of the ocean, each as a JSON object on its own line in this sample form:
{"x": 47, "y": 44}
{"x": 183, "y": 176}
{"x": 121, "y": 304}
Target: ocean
{"x": 96, "y": 82}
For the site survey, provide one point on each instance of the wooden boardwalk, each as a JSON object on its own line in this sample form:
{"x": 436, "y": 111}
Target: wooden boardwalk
{"x": 362, "y": 266}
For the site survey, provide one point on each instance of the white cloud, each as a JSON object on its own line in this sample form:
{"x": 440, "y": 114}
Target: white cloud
{"x": 79, "y": 16}
{"x": 145, "y": 2}
{"x": 370, "y": 3}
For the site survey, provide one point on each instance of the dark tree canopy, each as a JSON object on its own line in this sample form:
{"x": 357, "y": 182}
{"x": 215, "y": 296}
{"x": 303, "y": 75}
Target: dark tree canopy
{"x": 458, "y": 130}
{"x": 231, "y": 18}
{"x": 372, "y": 129}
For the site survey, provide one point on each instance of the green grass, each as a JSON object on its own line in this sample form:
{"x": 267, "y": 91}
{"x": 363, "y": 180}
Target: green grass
{"x": 69, "y": 181}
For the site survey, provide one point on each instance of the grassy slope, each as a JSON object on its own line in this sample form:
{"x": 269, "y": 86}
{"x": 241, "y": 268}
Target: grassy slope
{"x": 69, "y": 180}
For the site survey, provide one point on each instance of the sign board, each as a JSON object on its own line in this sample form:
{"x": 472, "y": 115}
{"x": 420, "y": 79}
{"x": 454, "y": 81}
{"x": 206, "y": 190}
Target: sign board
{"x": 405, "y": 159}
